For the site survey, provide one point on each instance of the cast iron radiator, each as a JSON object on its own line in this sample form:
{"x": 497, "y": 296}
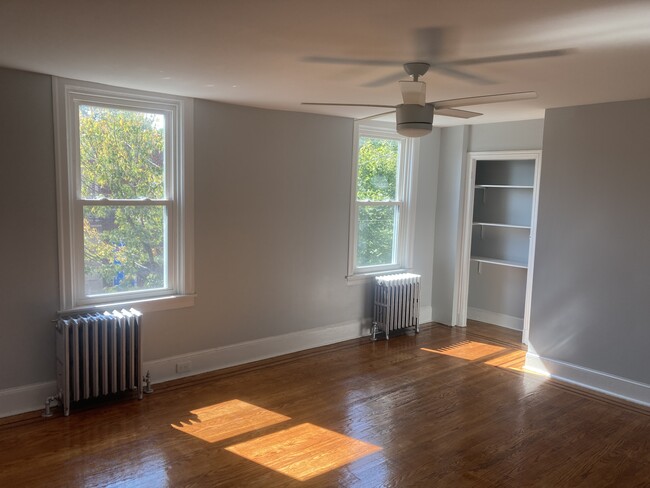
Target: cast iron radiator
{"x": 98, "y": 354}
{"x": 397, "y": 303}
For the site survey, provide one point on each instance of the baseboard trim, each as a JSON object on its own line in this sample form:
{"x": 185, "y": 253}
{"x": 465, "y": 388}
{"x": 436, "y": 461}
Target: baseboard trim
{"x": 245, "y": 352}
{"x": 606, "y": 383}
{"x": 500, "y": 319}
{"x": 14, "y": 401}
{"x": 26, "y": 398}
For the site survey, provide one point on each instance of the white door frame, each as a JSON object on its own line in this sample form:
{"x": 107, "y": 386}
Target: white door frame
{"x": 462, "y": 291}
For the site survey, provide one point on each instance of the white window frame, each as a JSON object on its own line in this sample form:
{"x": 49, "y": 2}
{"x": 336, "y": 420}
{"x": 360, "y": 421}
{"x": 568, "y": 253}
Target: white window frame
{"x": 178, "y": 113}
{"x": 405, "y": 202}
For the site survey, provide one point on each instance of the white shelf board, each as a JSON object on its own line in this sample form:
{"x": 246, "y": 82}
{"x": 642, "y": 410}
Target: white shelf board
{"x": 510, "y": 226}
{"x": 499, "y": 262}
{"x": 525, "y": 187}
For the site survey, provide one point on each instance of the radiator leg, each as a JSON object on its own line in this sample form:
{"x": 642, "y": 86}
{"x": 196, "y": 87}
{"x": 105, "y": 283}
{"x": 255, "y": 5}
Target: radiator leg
{"x": 373, "y": 331}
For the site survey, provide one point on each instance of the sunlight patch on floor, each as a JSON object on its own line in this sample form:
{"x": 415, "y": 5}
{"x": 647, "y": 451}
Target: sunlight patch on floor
{"x": 469, "y": 350}
{"x": 514, "y": 360}
{"x": 304, "y": 451}
{"x": 228, "y": 419}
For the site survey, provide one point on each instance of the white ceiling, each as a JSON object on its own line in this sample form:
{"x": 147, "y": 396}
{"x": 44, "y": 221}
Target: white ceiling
{"x": 254, "y": 52}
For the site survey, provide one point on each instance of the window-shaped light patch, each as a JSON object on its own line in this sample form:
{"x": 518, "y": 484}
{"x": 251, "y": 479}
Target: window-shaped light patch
{"x": 304, "y": 451}
{"x": 514, "y": 360}
{"x": 228, "y": 419}
{"x": 469, "y": 350}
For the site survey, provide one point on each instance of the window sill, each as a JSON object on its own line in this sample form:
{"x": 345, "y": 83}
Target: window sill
{"x": 145, "y": 305}
{"x": 363, "y": 278}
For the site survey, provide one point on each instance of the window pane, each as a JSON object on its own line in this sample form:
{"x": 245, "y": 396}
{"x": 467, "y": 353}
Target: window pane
{"x": 122, "y": 153}
{"x": 124, "y": 248}
{"x": 377, "y": 172}
{"x": 375, "y": 239}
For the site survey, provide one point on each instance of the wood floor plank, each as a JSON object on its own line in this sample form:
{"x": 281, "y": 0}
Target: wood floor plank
{"x": 446, "y": 407}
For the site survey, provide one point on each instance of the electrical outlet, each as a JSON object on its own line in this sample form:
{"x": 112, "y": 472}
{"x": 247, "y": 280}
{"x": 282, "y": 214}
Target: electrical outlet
{"x": 184, "y": 367}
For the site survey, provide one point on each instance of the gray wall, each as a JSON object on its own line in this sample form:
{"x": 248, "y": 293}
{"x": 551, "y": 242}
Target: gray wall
{"x": 425, "y": 221}
{"x": 592, "y": 266}
{"x": 30, "y": 287}
{"x": 507, "y": 136}
{"x": 272, "y": 195}
{"x": 453, "y": 146}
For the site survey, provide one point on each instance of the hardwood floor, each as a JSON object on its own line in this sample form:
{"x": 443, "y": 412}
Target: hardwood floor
{"x": 448, "y": 407}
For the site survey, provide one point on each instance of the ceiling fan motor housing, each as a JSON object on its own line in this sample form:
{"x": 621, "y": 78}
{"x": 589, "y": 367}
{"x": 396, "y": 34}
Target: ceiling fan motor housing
{"x": 414, "y": 120}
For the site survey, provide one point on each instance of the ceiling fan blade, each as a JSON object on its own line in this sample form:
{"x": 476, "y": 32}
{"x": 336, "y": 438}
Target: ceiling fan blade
{"x": 454, "y": 112}
{"x": 376, "y": 115}
{"x": 365, "y": 62}
{"x": 501, "y": 97}
{"x": 348, "y": 104}
{"x": 509, "y": 57}
{"x": 386, "y": 80}
{"x": 462, "y": 75}
{"x": 431, "y": 42}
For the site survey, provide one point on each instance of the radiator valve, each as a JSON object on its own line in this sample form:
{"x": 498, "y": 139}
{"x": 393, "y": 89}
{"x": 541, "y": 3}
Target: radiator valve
{"x": 147, "y": 383}
{"x": 48, "y": 406}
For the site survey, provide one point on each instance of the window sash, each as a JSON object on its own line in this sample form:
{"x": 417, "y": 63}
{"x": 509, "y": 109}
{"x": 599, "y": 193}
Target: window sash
{"x": 169, "y": 113}
{"x": 169, "y": 276}
{"x": 395, "y": 247}
{"x": 373, "y": 134}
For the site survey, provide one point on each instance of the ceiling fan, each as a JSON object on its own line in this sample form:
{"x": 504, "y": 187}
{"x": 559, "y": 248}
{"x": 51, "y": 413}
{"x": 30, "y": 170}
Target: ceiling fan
{"x": 437, "y": 47}
{"x": 415, "y": 115}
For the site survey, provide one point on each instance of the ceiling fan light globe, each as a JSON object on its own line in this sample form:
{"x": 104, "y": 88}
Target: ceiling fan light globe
{"x": 414, "y": 129}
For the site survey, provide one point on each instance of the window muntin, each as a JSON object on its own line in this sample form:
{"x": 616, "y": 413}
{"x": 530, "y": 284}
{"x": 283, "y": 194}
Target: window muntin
{"x": 381, "y": 201}
{"x": 124, "y": 178}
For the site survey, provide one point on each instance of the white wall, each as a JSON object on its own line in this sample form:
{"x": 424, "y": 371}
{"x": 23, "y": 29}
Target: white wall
{"x": 592, "y": 267}
{"x": 272, "y": 196}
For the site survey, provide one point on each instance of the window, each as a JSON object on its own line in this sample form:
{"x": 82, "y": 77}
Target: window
{"x": 383, "y": 201}
{"x": 124, "y": 188}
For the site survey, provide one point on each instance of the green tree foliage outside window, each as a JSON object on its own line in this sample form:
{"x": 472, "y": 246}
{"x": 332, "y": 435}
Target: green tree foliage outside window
{"x": 122, "y": 156}
{"x": 377, "y": 181}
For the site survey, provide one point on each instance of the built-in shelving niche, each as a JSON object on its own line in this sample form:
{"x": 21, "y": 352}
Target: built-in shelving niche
{"x": 499, "y": 237}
